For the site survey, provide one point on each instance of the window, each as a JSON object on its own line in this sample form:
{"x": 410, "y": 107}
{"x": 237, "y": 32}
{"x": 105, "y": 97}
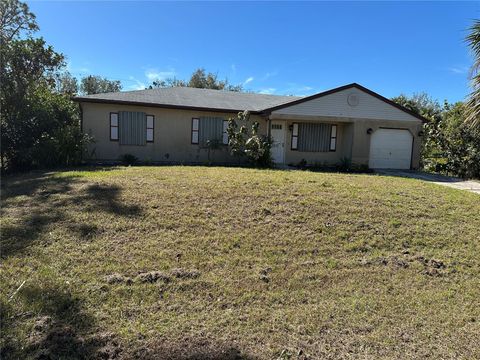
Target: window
{"x": 314, "y": 137}
{"x": 225, "y": 133}
{"x": 276, "y": 126}
{"x": 150, "y": 121}
{"x": 113, "y": 126}
{"x": 195, "y": 128}
{"x": 294, "y": 145}
{"x": 132, "y": 127}
{"x": 206, "y": 128}
{"x": 333, "y": 138}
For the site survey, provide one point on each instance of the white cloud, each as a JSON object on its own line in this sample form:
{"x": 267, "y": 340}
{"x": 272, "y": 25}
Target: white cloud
{"x": 249, "y": 80}
{"x": 267, "y": 91}
{"x": 269, "y": 75}
{"x": 77, "y": 70}
{"x": 154, "y": 74}
{"x": 298, "y": 90}
{"x": 458, "y": 69}
{"x": 137, "y": 84}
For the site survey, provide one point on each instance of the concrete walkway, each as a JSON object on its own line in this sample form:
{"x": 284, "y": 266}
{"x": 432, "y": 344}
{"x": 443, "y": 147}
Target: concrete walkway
{"x": 468, "y": 185}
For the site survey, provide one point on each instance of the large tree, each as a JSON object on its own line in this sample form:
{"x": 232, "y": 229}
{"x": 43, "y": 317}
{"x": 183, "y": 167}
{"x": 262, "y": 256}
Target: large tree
{"x": 94, "y": 84}
{"x": 473, "y": 104}
{"x": 39, "y": 127}
{"x": 199, "y": 79}
{"x": 15, "y": 17}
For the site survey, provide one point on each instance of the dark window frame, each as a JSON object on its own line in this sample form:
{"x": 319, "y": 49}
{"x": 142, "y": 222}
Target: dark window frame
{"x": 112, "y": 126}
{"x": 195, "y": 131}
{"x": 152, "y": 128}
{"x": 333, "y": 137}
{"x": 294, "y": 137}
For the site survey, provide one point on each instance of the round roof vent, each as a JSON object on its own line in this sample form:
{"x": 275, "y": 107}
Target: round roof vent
{"x": 353, "y": 99}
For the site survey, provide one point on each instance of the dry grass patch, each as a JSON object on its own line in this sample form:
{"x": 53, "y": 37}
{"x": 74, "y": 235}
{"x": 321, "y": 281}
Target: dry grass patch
{"x": 215, "y": 263}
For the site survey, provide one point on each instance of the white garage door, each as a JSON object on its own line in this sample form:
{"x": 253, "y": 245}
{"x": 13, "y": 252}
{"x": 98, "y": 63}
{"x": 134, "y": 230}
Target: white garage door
{"x": 390, "y": 149}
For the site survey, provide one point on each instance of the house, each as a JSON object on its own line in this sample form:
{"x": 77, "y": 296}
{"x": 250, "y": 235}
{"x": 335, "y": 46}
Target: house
{"x": 174, "y": 124}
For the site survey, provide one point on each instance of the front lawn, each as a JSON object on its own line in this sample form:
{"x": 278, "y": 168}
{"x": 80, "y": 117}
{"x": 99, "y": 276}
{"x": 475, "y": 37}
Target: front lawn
{"x": 214, "y": 263}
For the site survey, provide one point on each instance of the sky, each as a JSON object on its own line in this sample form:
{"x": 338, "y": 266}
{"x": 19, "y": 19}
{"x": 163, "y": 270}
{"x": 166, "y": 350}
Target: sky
{"x": 284, "y": 48}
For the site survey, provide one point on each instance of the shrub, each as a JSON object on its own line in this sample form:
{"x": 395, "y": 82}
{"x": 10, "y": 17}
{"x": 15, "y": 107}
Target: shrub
{"x": 128, "y": 159}
{"x": 244, "y": 140}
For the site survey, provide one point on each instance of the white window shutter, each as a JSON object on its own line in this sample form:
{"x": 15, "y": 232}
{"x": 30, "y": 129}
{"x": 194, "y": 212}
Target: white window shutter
{"x": 295, "y": 129}
{"x": 294, "y": 143}
{"x": 149, "y": 134}
{"x": 149, "y": 121}
{"x": 113, "y": 119}
{"x": 114, "y": 133}
{"x": 333, "y": 144}
{"x": 195, "y": 124}
{"x": 195, "y": 137}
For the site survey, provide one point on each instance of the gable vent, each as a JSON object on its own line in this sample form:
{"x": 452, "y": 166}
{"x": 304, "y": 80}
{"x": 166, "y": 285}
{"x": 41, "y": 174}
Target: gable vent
{"x": 353, "y": 100}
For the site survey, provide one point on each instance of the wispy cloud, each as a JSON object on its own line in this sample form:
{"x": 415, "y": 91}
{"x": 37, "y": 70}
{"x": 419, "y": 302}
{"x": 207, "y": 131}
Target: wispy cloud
{"x": 234, "y": 68}
{"x": 298, "y": 90}
{"x": 458, "y": 69}
{"x": 267, "y": 91}
{"x": 249, "y": 80}
{"x": 137, "y": 84}
{"x": 77, "y": 70}
{"x": 154, "y": 74}
{"x": 268, "y": 75}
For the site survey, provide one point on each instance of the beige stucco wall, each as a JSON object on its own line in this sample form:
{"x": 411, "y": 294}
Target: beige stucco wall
{"x": 353, "y": 141}
{"x": 320, "y": 158}
{"x": 172, "y": 135}
{"x": 361, "y": 140}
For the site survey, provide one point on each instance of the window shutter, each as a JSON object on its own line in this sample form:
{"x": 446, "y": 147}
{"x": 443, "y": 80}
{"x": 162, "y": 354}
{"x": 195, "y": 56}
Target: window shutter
{"x": 225, "y": 133}
{"x": 294, "y": 145}
{"x": 132, "y": 127}
{"x": 195, "y": 128}
{"x": 150, "y": 127}
{"x": 333, "y": 138}
{"x": 114, "y": 126}
{"x": 314, "y": 137}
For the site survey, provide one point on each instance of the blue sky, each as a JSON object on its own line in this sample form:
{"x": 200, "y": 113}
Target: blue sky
{"x": 270, "y": 47}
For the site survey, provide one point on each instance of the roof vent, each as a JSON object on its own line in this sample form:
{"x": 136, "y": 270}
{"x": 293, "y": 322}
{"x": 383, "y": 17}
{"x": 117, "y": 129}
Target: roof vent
{"x": 353, "y": 99}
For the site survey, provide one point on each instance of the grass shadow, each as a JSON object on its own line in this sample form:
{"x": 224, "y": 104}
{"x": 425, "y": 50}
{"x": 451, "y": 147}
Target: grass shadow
{"x": 44, "y": 201}
{"x": 61, "y": 328}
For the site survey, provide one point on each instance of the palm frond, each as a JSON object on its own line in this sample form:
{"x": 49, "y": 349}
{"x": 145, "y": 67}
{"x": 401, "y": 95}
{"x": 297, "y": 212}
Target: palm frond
{"x": 473, "y": 103}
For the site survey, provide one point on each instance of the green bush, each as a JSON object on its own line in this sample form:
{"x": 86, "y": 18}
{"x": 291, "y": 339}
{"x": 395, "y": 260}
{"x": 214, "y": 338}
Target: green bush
{"x": 128, "y": 159}
{"x": 244, "y": 140}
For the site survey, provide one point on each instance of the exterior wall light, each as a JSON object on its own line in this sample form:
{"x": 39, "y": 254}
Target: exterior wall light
{"x": 369, "y": 131}
{"x": 290, "y": 127}
{"x": 421, "y": 133}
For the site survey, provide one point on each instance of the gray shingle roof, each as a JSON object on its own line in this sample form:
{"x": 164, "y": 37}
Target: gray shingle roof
{"x": 184, "y": 97}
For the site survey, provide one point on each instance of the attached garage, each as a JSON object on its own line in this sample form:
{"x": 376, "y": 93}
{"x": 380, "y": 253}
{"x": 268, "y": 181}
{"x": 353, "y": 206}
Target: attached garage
{"x": 391, "y": 149}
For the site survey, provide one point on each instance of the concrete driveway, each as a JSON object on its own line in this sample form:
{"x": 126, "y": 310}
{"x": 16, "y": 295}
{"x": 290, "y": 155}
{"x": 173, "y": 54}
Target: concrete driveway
{"x": 468, "y": 185}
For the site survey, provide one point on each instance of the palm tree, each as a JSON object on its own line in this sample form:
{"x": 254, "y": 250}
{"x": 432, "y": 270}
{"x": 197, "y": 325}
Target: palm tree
{"x": 473, "y": 103}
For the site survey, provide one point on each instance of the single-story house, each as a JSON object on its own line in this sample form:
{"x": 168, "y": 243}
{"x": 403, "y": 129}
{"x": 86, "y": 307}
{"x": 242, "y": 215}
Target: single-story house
{"x": 174, "y": 124}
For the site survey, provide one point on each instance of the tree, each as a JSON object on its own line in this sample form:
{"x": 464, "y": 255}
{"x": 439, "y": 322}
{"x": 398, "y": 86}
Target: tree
{"x": 15, "y": 17}
{"x": 39, "y": 127}
{"x": 199, "y": 79}
{"x": 66, "y": 84}
{"x": 473, "y": 103}
{"x": 244, "y": 140}
{"x": 450, "y": 145}
{"x": 94, "y": 84}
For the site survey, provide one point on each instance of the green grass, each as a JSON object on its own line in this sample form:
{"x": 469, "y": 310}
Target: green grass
{"x": 291, "y": 265}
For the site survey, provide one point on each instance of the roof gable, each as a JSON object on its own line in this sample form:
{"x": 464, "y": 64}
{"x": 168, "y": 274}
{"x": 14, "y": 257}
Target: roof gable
{"x": 352, "y": 101}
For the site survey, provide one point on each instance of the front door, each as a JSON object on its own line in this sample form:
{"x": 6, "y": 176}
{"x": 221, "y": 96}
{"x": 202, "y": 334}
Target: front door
{"x": 277, "y": 132}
